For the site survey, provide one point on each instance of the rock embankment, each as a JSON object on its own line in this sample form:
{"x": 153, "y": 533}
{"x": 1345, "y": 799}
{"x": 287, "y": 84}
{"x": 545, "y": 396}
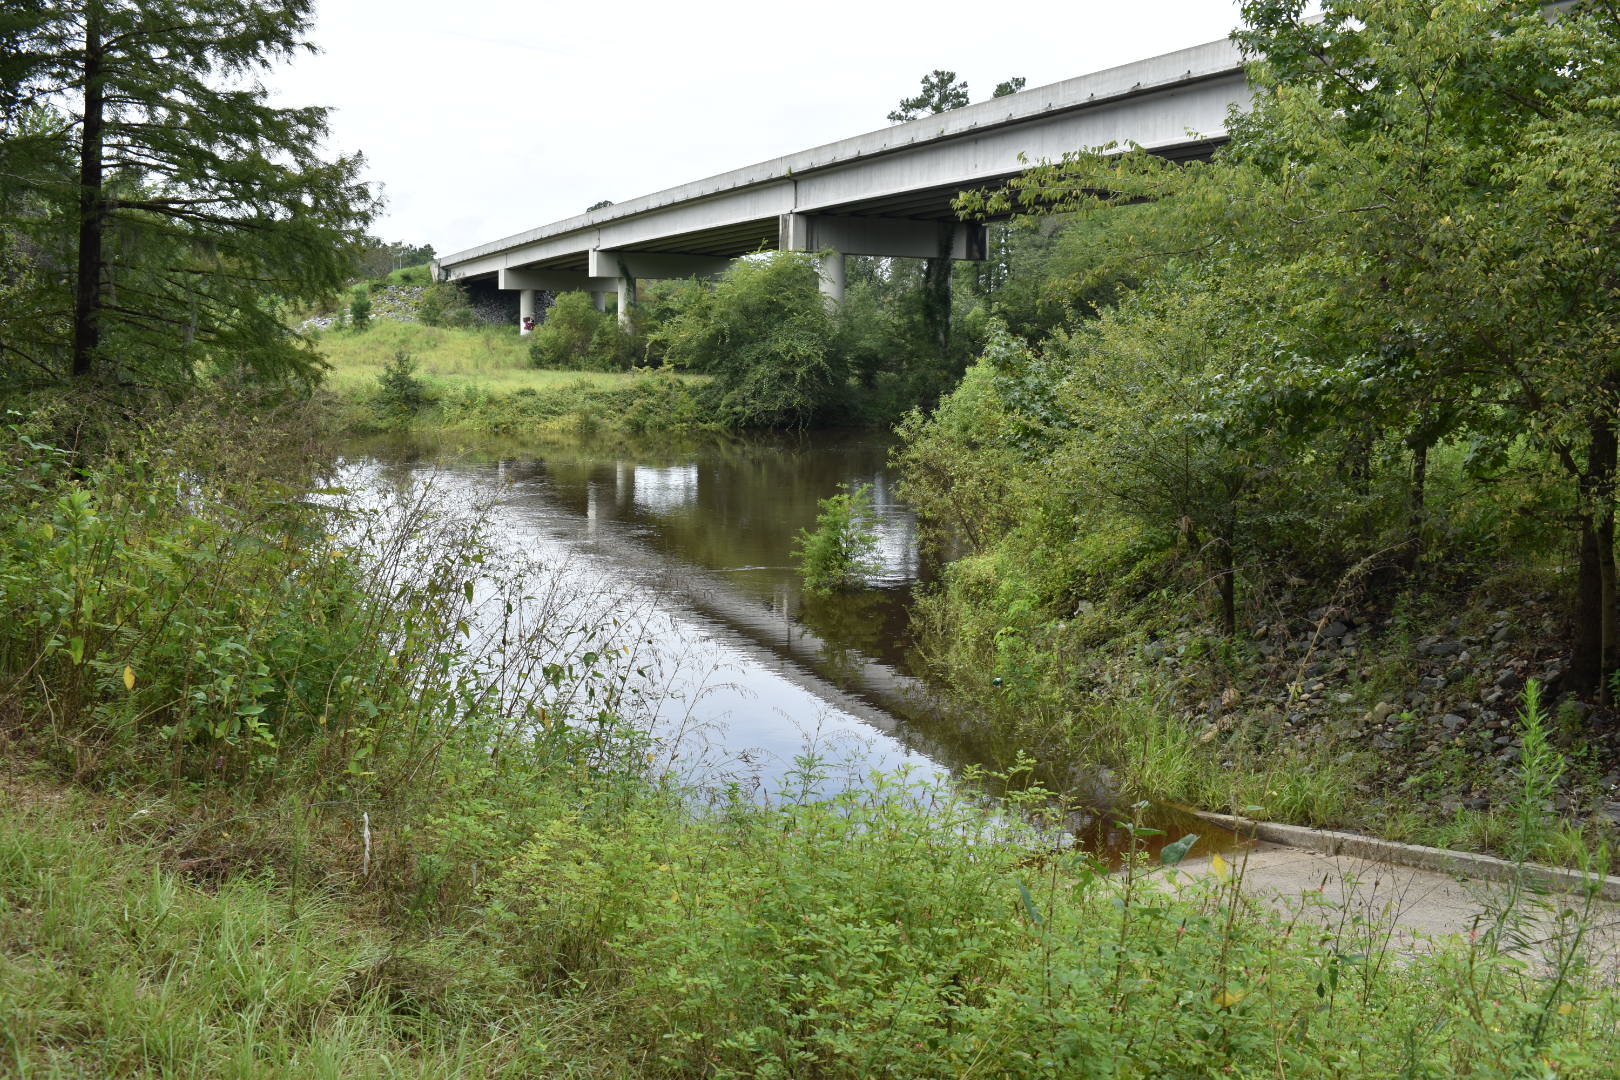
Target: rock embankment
{"x": 1438, "y": 712}
{"x": 403, "y": 303}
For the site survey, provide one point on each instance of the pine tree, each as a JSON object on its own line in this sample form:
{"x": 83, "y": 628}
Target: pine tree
{"x": 940, "y": 92}
{"x": 164, "y": 209}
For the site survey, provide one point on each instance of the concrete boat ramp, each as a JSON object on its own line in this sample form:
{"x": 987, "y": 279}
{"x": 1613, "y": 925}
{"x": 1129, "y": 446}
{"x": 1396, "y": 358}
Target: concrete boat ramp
{"x": 1410, "y": 898}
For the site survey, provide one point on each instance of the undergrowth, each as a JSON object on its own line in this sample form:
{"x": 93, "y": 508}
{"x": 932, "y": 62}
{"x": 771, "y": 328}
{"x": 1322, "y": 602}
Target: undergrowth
{"x": 322, "y": 791}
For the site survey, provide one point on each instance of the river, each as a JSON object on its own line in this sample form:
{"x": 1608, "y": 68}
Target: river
{"x": 689, "y": 546}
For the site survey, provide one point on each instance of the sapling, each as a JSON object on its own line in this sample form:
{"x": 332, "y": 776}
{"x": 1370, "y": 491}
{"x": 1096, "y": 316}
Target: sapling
{"x": 841, "y": 551}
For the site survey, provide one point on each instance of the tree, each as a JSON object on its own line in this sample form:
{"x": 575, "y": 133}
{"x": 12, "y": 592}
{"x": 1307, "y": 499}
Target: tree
{"x": 766, "y": 336}
{"x": 378, "y": 259}
{"x": 840, "y": 553}
{"x": 1011, "y": 86}
{"x": 1425, "y": 192}
{"x": 940, "y": 93}
{"x": 601, "y": 204}
{"x": 195, "y": 209}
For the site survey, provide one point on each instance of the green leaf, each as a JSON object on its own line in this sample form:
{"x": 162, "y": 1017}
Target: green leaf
{"x": 1029, "y": 905}
{"x": 1174, "y": 853}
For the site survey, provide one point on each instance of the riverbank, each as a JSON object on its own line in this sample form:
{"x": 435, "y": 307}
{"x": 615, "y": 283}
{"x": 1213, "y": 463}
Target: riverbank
{"x": 402, "y": 376}
{"x": 235, "y": 829}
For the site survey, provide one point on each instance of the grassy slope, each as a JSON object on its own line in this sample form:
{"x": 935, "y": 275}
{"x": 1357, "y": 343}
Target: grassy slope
{"x": 481, "y": 380}
{"x": 495, "y": 358}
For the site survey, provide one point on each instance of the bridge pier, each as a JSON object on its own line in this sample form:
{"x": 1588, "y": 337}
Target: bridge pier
{"x": 525, "y": 311}
{"x": 830, "y": 267}
{"x": 833, "y": 236}
{"x": 626, "y": 267}
{"x": 627, "y": 298}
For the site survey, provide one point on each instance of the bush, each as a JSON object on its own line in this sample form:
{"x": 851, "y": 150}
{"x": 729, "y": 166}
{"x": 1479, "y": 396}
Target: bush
{"x": 766, "y": 336}
{"x": 444, "y": 304}
{"x": 840, "y": 552}
{"x": 360, "y": 308}
{"x": 577, "y": 337}
{"x": 400, "y": 394}
{"x": 179, "y": 620}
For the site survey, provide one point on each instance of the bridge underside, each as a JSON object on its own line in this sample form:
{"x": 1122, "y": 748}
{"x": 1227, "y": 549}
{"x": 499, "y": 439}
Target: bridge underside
{"x": 765, "y": 233}
{"x": 919, "y": 223}
{"x": 885, "y": 193}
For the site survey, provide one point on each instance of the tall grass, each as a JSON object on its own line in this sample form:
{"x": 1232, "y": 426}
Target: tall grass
{"x": 495, "y": 358}
{"x": 482, "y": 380}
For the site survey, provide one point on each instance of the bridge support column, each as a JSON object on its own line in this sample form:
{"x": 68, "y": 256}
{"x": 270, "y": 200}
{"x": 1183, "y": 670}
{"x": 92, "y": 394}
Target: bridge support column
{"x": 830, "y": 265}
{"x": 627, "y": 298}
{"x": 525, "y": 311}
{"x": 626, "y": 267}
{"x": 600, "y": 300}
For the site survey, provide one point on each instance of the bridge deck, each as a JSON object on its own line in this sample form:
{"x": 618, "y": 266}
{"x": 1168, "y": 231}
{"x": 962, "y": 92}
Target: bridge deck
{"x": 1174, "y": 104}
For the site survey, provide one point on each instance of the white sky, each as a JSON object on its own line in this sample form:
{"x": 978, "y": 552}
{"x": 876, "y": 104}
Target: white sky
{"x": 484, "y": 118}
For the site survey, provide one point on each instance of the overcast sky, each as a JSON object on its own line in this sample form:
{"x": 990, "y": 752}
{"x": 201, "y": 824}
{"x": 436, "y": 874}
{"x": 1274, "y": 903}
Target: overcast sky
{"x": 484, "y": 118}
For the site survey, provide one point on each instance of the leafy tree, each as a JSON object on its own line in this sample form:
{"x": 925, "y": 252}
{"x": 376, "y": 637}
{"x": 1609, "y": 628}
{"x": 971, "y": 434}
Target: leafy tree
{"x": 193, "y": 207}
{"x": 601, "y": 205}
{"x": 940, "y": 92}
{"x": 1421, "y": 196}
{"x": 378, "y": 258}
{"x": 574, "y": 336}
{"x": 765, "y": 334}
{"x": 444, "y": 303}
{"x": 1011, "y": 86}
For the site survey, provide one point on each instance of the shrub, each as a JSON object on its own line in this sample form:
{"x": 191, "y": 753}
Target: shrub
{"x": 444, "y": 304}
{"x": 360, "y": 308}
{"x": 576, "y": 337}
{"x": 767, "y": 337}
{"x": 400, "y": 394}
{"x": 840, "y": 552}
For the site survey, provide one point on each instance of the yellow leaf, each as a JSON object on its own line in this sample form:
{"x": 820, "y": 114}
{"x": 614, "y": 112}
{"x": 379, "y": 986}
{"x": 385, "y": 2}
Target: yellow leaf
{"x": 1565, "y": 1009}
{"x": 129, "y": 677}
{"x": 1227, "y": 998}
{"x": 1222, "y": 870}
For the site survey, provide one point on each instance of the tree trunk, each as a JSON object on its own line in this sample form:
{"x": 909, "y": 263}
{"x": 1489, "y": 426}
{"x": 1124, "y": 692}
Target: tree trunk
{"x": 1226, "y": 576}
{"x": 1355, "y": 466}
{"x": 937, "y": 289}
{"x": 87, "y": 295}
{"x": 1593, "y": 654}
{"x": 1416, "y": 509}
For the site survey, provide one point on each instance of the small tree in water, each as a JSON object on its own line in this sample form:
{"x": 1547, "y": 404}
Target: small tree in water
{"x": 841, "y": 551}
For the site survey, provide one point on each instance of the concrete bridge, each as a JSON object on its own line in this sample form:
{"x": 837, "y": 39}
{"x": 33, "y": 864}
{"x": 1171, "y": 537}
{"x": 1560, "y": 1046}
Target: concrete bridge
{"x": 884, "y": 193}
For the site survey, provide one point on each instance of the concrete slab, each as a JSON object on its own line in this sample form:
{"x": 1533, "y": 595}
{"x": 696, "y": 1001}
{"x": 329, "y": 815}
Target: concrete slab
{"x": 1410, "y": 909}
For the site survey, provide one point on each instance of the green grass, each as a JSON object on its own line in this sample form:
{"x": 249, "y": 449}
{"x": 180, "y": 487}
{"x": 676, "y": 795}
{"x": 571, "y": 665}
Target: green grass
{"x": 481, "y": 380}
{"x": 112, "y": 963}
{"x": 495, "y": 359}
